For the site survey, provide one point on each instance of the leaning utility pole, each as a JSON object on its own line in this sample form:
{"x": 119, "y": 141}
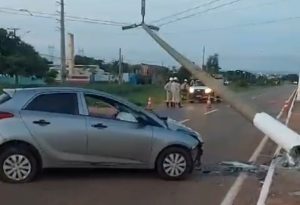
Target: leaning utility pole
{"x": 286, "y": 138}
{"x": 62, "y": 41}
{"x": 120, "y": 67}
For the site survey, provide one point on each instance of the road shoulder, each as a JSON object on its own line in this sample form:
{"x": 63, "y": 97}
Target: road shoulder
{"x": 286, "y": 185}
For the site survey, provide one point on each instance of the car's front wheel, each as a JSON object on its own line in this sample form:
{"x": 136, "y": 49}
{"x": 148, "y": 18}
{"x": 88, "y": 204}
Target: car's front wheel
{"x": 17, "y": 165}
{"x": 174, "y": 163}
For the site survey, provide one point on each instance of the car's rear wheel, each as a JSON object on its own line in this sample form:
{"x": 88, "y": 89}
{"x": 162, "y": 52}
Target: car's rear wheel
{"x": 174, "y": 163}
{"x": 18, "y": 165}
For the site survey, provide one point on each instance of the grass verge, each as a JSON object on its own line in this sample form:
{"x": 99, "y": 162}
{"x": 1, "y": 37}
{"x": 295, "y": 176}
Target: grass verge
{"x": 137, "y": 94}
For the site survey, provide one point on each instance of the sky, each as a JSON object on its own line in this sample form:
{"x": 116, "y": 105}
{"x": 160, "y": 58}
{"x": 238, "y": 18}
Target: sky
{"x": 253, "y": 35}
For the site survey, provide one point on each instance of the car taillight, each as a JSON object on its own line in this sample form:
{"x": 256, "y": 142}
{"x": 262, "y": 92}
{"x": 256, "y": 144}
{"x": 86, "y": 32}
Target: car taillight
{"x": 5, "y": 115}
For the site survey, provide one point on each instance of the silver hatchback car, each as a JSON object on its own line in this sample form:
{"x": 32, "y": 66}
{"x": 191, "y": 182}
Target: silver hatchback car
{"x": 78, "y": 128}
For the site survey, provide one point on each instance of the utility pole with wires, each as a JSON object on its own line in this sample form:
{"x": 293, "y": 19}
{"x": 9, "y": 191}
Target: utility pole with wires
{"x": 120, "y": 67}
{"x": 143, "y": 12}
{"x": 203, "y": 57}
{"x": 62, "y": 41}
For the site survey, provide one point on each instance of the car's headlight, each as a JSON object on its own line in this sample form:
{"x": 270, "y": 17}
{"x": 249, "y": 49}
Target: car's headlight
{"x": 192, "y": 90}
{"x": 208, "y": 90}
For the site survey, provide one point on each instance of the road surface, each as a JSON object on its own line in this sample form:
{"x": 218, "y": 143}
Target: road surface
{"x": 228, "y": 136}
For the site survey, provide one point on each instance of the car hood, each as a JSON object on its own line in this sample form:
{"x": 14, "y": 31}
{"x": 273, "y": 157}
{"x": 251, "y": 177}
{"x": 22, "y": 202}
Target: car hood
{"x": 199, "y": 87}
{"x": 177, "y": 126}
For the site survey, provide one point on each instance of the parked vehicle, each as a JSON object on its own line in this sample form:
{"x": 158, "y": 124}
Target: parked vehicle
{"x": 199, "y": 92}
{"x": 75, "y": 128}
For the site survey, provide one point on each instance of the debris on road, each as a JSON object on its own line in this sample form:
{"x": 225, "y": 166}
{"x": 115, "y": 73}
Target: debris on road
{"x": 235, "y": 168}
{"x": 297, "y": 193}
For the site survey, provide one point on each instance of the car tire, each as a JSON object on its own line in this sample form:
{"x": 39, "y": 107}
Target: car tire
{"x": 174, "y": 163}
{"x": 18, "y": 165}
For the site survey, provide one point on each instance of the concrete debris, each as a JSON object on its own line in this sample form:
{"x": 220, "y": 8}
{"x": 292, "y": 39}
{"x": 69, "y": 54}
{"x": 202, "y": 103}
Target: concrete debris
{"x": 297, "y": 193}
{"x": 235, "y": 168}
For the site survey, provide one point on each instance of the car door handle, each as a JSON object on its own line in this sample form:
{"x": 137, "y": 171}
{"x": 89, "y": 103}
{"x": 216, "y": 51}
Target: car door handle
{"x": 41, "y": 122}
{"x": 99, "y": 126}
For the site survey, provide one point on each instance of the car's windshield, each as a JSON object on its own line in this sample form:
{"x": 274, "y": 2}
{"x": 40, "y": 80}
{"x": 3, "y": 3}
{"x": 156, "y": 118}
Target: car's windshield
{"x": 198, "y": 83}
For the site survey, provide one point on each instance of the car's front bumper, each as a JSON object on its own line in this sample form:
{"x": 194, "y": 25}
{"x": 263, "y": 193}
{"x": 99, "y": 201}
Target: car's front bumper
{"x": 197, "y": 153}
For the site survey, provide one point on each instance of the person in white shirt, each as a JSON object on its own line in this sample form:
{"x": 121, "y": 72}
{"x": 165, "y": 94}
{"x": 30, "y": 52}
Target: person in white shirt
{"x": 175, "y": 89}
{"x": 168, "y": 92}
{"x": 185, "y": 89}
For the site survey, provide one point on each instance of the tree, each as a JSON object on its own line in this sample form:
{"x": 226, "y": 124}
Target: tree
{"x": 51, "y": 76}
{"x": 84, "y": 60}
{"x": 212, "y": 64}
{"x": 19, "y": 58}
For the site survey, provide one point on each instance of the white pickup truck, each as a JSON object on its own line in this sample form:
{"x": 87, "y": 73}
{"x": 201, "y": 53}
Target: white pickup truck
{"x": 199, "y": 92}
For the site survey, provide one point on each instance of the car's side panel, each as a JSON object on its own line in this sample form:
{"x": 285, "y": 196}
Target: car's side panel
{"x": 119, "y": 143}
{"x": 163, "y": 138}
{"x": 64, "y": 139}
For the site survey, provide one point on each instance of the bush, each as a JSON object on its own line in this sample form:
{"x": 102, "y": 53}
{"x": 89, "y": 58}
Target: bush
{"x": 51, "y": 76}
{"x": 242, "y": 83}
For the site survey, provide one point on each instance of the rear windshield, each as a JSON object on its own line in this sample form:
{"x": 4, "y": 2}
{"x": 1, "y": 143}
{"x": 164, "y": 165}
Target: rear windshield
{"x": 4, "y": 98}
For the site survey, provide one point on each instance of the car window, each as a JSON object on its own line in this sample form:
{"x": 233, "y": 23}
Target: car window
{"x": 199, "y": 83}
{"x": 106, "y": 108}
{"x": 63, "y": 103}
{"x": 97, "y": 107}
{"x": 4, "y": 98}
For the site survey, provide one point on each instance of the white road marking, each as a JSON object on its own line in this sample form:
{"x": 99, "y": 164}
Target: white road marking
{"x": 268, "y": 180}
{"x": 236, "y": 187}
{"x": 184, "y": 121}
{"x": 212, "y": 111}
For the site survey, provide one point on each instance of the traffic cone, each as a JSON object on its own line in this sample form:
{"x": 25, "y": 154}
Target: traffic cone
{"x": 149, "y": 104}
{"x": 208, "y": 103}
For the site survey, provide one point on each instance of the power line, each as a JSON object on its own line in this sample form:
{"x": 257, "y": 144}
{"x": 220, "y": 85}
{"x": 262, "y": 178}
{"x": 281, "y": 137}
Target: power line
{"x": 185, "y": 11}
{"x": 54, "y": 16}
{"x": 201, "y": 12}
{"x": 243, "y": 25}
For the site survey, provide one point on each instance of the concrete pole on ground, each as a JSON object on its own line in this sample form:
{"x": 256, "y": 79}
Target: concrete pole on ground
{"x": 282, "y": 135}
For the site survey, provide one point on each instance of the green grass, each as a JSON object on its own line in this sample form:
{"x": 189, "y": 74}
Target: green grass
{"x": 137, "y": 94}
{"x": 237, "y": 88}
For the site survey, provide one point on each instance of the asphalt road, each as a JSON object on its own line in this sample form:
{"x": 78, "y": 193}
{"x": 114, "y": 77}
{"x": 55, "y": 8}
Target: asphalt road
{"x": 228, "y": 136}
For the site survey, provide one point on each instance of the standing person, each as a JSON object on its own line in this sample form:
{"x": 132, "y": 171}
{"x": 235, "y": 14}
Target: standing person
{"x": 175, "y": 89}
{"x": 185, "y": 89}
{"x": 192, "y": 82}
{"x": 168, "y": 92}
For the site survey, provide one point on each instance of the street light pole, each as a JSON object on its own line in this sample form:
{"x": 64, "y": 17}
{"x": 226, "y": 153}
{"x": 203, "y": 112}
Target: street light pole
{"x": 120, "y": 67}
{"x": 62, "y": 41}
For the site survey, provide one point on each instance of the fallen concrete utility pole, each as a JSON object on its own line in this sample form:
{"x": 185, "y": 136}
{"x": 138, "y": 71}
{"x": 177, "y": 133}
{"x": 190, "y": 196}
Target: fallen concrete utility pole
{"x": 279, "y": 133}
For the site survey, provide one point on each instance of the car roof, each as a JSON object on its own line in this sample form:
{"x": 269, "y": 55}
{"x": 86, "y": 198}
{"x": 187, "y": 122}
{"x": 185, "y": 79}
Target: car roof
{"x": 52, "y": 89}
{"x": 37, "y": 90}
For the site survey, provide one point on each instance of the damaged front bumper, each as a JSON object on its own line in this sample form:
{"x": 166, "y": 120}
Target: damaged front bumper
{"x": 197, "y": 154}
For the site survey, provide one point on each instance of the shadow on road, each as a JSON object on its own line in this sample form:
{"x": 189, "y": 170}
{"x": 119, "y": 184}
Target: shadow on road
{"x": 79, "y": 174}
